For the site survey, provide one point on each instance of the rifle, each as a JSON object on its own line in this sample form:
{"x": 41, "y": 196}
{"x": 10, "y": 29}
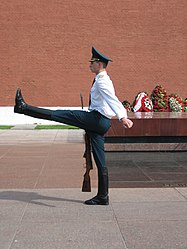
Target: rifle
{"x": 86, "y": 186}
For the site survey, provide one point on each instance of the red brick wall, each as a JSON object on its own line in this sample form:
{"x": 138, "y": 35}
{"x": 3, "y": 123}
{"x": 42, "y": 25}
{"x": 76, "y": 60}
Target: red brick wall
{"x": 45, "y": 47}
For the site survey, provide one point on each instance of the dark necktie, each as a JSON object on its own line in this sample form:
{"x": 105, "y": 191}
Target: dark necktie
{"x": 90, "y": 93}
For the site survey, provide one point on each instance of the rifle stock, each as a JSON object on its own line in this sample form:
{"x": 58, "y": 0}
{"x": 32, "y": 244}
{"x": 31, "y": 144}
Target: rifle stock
{"x": 86, "y": 186}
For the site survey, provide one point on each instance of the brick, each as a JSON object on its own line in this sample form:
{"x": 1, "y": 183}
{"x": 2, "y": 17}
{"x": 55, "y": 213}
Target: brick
{"x": 45, "y": 48}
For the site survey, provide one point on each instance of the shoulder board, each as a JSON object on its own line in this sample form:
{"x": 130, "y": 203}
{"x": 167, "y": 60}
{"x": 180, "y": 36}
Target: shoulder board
{"x": 101, "y": 76}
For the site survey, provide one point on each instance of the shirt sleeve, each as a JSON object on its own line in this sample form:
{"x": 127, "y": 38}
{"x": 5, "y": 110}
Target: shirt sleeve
{"x": 108, "y": 93}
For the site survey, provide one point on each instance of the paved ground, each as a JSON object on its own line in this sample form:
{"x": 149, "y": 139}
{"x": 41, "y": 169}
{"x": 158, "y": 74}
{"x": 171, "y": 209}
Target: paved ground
{"x": 42, "y": 203}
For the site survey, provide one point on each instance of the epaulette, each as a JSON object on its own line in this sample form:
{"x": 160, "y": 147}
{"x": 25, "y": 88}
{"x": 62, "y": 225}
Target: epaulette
{"x": 100, "y": 76}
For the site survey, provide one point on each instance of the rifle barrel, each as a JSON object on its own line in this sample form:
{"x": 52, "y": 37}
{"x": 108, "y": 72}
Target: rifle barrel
{"x": 81, "y": 100}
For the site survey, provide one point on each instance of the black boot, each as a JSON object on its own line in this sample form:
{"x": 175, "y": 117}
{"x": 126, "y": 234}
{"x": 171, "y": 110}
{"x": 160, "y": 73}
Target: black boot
{"x": 20, "y": 104}
{"x": 102, "y": 197}
{"x": 23, "y": 108}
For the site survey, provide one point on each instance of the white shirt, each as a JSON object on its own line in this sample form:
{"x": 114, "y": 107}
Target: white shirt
{"x": 103, "y": 98}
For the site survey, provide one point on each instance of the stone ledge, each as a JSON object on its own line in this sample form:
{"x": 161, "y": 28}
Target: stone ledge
{"x": 152, "y": 124}
{"x": 150, "y": 132}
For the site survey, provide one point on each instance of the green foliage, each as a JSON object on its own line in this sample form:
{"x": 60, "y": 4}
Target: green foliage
{"x": 5, "y": 127}
{"x": 57, "y": 127}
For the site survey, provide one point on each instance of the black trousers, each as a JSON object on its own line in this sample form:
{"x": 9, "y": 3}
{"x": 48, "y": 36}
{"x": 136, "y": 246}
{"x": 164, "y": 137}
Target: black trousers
{"x": 94, "y": 123}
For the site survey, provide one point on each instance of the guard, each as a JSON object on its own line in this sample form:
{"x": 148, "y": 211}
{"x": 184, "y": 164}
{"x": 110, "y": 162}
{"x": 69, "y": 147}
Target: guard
{"x": 96, "y": 121}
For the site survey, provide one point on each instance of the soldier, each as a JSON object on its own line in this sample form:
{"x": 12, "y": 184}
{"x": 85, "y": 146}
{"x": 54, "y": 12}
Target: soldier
{"x": 102, "y": 107}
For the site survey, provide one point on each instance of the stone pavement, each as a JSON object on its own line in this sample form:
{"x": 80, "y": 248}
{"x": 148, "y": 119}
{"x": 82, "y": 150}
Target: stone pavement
{"x": 41, "y": 203}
